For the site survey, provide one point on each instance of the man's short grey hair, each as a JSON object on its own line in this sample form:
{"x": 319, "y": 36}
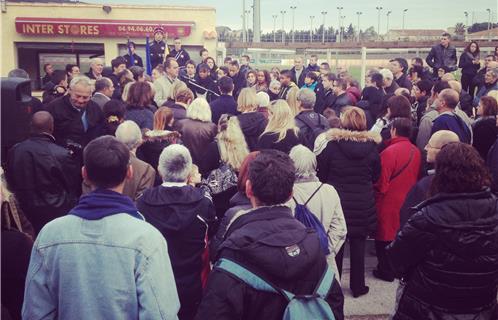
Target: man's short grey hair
{"x": 95, "y": 61}
{"x": 81, "y": 80}
{"x": 130, "y": 134}
{"x": 304, "y": 162}
{"x": 275, "y": 84}
{"x": 175, "y": 163}
{"x": 307, "y": 97}
{"x": 386, "y": 74}
{"x": 494, "y": 72}
{"x": 18, "y": 73}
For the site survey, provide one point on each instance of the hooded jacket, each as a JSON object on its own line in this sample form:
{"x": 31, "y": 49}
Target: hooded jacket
{"x": 350, "y": 162}
{"x": 271, "y": 243}
{"x": 448, "y": 254}
{"x": 182, "y": 214}
{"x": 252, "y": 124}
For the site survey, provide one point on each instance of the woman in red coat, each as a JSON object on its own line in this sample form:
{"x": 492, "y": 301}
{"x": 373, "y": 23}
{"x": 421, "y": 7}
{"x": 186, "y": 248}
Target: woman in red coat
{"x": 400, "y": 167}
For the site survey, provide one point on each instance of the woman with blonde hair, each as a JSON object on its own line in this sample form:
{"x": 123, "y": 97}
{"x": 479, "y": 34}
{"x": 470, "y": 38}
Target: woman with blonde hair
{"x": 292, "y": 101}
{"x": 281, "y": 131}
{"x": 228, "y": 149}
{"x": 176, "y": 87}
{"x": 348, "y": 159}
{"x": 251, "y": 121}
{"x": 197, "y": 130}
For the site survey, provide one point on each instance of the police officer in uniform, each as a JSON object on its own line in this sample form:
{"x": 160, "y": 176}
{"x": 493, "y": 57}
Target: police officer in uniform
{"x": 179, "y": 54}
{"x": 137, "y": 61}
{"x": 158, "y": 48}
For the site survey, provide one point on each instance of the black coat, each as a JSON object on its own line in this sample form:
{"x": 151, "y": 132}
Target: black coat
{"x": 441, "y": 57}
{"x": 44, "y": 177}
{"x": 310, "y": 124}
{"x": 403, "y": 82}
{"x": 269, "y": 141}
{"x": 342, "y": 100}
{"x": 68, "y": 125}
{"x": 181, "y": 56}
{"x": 208, "y": 83}
{"x": 492, "y": 163}
{"x": 467, "y": 65}
{"x": 157, "y": 53}
{"x": 485, "y": 133}
{"x": 371, "y": 100}
{"x": 182, "y": 215}
{"x": 417, "y": 194}
{"x": 239, "y": 83}
{"x": 298, "y": 81}
{"x": 448, "y": 254}
{"x": 258, "y": 241}
{"x": 137, "y": 60}
{"x": 225, "y": 104}
{"x": 351, "y": 163}
{"x": 252, "y": 124}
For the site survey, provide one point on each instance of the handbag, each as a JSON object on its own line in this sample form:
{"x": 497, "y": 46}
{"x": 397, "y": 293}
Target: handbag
{"x": 221, "y": 179}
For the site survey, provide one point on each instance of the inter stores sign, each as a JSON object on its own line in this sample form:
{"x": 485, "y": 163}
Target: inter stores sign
{"x": 99, "y": 27}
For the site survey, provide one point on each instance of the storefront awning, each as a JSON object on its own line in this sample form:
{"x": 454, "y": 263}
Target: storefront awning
{"x": 36, "y": 26}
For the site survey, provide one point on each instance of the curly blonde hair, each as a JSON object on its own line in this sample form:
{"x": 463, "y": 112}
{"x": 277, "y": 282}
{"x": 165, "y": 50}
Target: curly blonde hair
{"x": 231, "y": 142}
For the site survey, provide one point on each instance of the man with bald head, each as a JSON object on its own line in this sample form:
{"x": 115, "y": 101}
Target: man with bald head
{"x": 77, "y": 119}
{"x": 448, "y": 119}
{"x": 43, "y": 176}
{"x": 420, "y": 191}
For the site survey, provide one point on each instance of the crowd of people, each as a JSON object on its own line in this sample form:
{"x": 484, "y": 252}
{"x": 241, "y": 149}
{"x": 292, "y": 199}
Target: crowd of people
{"x": 206, "y": 192}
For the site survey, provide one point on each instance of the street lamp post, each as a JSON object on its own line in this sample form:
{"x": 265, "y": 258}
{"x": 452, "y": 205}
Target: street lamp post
{"x": 293, "y": 8}
{"x": 387, "y": 20}
{"x": 359, "y": 13}
{"x": 489, "y": 24}
{"x": 311, "y": 28}
{"x": 247, "y": 13}
{"x": 339, "y": 22}
{"x": 324, "y": 13}
{"x": 466, "y": 23}
{"x": 342, "y": 27}
{"x": 274, "y": 27}
{"x": 404, "y": 12}
{"x": 379, "y": 9}
{"x": 283, "y": 12}
{"x": 244, "y": 21}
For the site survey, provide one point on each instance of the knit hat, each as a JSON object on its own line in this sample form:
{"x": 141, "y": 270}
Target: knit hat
{"x": 158, "y": 29}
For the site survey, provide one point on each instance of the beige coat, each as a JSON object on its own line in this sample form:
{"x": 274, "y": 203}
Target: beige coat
{"x": 143, "y": 178}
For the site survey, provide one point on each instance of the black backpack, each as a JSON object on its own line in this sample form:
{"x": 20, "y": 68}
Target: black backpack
{"x": 308, "y": 134}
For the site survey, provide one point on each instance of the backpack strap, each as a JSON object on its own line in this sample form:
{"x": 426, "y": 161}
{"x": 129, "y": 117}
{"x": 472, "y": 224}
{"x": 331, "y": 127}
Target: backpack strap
{"x": 250, "y": 278}
{"x": 312, "y": 195}
{"x": 325, "y": 283}
{"x": 397, "y": 173}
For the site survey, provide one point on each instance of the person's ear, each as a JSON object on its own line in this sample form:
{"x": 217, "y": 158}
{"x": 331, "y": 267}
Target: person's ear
{"x": 129, "y": 172}
{"x": 249, "y": 192}
{"x": 84, "y": 174}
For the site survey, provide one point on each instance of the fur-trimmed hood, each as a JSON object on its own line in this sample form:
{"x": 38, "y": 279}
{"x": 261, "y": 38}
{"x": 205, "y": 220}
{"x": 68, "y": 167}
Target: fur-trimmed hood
{"x": 351, "y": 140}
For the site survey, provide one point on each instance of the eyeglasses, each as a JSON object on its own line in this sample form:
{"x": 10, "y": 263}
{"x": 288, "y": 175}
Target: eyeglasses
{"x": 431, "y": 147}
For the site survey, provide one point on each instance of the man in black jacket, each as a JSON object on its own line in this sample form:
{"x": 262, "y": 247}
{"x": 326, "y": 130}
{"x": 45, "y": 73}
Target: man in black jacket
{"x": 298, "y": 72}
{"x": 135, "y": 59}
{"x": 399, "y": 68}
{"x": 442, "y": 55}
{"x": 225, "y": 104}
{"x": 342, "y": 100}
{"x": 44, "y": 176}
{"x": 239, "y": 81}
{"x": 183, "y": 214}
{"x": 158, "y": 48}
{"x": 309, "y": 122}
{"x": 77, "y": 119}
{"x": 421, "y": 91}
{"x": 268, "y": 241}
{"x": 179, "y": 53}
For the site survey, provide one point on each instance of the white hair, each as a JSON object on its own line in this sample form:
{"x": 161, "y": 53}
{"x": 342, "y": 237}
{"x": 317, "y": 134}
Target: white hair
{"x": 307, "y": 97}
{"x": 175, "y": 163}
{"x": 263, "y": 99}
{"x": 129, "y": 133}
{"x": 304, "y": 161}
{"x": 81, "y": 80}
{"x": 386, "y": 74}
{"x": 199, "y": 110}
{"x": 95, "y": 61}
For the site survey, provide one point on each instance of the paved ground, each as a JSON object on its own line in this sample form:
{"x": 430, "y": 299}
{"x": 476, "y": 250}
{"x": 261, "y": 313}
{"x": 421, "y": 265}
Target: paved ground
{"x": 378, "y": 304}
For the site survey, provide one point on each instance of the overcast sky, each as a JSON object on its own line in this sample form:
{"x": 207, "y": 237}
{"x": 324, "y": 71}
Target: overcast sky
{"x": 421, "y": 14}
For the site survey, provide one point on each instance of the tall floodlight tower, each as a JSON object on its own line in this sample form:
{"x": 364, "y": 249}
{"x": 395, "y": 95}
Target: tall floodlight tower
{"x": 257, "y": 21}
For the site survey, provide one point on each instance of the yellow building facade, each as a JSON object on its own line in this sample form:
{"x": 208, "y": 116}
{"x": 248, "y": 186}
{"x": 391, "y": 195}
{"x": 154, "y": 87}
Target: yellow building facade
{"x": 61, "y": 33}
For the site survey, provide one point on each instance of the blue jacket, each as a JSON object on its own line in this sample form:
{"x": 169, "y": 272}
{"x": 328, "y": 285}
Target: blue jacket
{"x": 224, "y": 104}
{"x": 116, "y": 267}
{"x": 451, "y": 121}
